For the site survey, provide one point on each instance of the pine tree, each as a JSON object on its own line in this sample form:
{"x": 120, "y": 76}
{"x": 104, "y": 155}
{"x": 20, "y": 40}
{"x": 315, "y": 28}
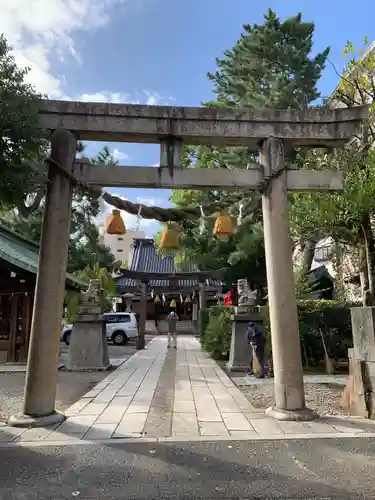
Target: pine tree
{"x": 270, "y": 66}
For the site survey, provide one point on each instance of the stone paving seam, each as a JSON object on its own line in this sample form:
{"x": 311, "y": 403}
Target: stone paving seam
{"x": 160, "y": 414}
{"x": 185, "y": 438}
{"x": 207, "y": 414}
{"x": 212, "y": 376}
{"x": 119, "y": 430}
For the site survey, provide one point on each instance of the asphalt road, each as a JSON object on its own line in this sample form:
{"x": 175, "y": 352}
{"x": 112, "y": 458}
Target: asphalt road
{"x": 305, "y": 469}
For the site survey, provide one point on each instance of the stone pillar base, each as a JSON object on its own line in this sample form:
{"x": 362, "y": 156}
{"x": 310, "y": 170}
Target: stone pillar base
{"x": 237, "y": 368}
{"x": 358, "y": 397}
{"x": 303, "y": 415}
{"x": 240, "y": 350}
{"x": 89, "y": 369}
{"x": 28, "y": 421}
{"x": 88, "y": 349}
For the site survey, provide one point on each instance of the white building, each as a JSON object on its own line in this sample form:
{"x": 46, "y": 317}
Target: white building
{"x": 120, "y": 246}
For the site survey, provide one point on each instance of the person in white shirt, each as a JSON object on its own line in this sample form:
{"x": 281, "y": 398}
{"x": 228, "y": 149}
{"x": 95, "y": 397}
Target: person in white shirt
{"x": 172, "y": 328}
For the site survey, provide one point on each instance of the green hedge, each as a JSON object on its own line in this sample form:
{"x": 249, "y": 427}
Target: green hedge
{"x": 331, "y": 318}
{"x": 215, "y": 337}
{"x": 203, "y": 319}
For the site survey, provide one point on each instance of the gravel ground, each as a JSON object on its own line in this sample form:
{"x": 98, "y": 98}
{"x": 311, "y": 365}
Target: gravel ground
{"x": 70, "y": 386}
{"x": 323, "y": 398}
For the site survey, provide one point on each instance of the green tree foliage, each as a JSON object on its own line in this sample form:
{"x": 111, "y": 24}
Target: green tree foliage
{"x": 348, "y": 215}
{"x": 269, "y": 66}
{"x": 85, "y": 248}
{"x": 108, "y": 285}
{"x": 21, "y": 142}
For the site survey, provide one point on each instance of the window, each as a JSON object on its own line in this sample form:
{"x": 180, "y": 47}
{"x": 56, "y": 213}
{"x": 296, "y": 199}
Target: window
{"x": 120, "y": 238}
{"x": 119, "y": 249}
{"x": 124, "y": 318}
{"x": 111, "y": 319}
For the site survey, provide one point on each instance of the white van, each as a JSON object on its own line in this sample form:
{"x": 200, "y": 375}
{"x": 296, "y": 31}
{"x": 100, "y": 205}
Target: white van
{"x": 120, "y": 327}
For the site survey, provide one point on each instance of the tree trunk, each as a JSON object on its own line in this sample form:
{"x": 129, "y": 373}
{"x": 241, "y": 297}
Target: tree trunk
{"x": 308, "y": 255}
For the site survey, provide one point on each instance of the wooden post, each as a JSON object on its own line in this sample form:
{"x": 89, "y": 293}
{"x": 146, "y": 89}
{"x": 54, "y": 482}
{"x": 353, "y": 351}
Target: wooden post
{"x": 42, "y": 368}
{"x": 142, "y": 317}
{"x": 202, "y": 305}
{"x": 286, "y": 351}
{"x": 14, "y": 317}
{"x": 202, "y": 297}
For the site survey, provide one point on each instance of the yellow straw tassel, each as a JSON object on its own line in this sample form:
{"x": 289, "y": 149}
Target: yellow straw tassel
{"x": 115, "y": 223}
{"x": 157, "y": 300}
{"x": 173, "y": 303}
{"x": 223, "y": 226}
{"x": 188, "y": 300}
{"x": 170, "y": 238}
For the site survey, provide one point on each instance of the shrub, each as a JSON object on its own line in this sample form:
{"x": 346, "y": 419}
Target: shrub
{"x": 327, "y": 318}
{"x": 203, "y": 318}
{"x": 316, "y": 318}
{"x": 218, "y": 332}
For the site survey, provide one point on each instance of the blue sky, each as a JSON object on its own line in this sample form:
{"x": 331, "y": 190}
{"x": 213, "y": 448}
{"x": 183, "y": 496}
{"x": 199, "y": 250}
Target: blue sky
{"x": 156, "y": 51}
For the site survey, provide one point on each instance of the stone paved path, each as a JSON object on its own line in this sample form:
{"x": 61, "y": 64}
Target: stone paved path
{"x": 175, "y": 395}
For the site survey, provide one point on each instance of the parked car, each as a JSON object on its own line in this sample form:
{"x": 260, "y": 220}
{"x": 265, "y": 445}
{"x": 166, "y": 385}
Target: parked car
{"x": 120, "y": 327}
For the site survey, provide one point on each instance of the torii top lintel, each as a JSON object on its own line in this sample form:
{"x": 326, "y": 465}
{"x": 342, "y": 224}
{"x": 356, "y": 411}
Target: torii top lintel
{"x": 196, "y": 125}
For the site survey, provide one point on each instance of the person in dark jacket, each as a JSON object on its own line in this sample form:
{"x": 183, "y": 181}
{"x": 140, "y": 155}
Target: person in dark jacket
{"x": 255, "y": 338}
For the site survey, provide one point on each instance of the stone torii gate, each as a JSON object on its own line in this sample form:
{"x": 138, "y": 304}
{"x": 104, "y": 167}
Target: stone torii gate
{"x": 271, "y": 131}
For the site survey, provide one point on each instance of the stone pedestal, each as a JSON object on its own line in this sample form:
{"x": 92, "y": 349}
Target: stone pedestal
{"x": 358, "y": 396}
{"x": 354, "y": 395}
{"x": 240, "y": 350}
{"x": 194, "y": 320}
{"x": 88, "y": 349}
{"x": 363, "y": 328}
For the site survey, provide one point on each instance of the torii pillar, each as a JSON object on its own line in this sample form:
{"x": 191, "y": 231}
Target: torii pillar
{"x": 41, "y": 377}
{"x": 286, "y": 351}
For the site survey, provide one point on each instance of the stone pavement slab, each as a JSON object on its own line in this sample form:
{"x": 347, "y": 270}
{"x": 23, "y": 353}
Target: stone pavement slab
{"x": 175, "y": 394}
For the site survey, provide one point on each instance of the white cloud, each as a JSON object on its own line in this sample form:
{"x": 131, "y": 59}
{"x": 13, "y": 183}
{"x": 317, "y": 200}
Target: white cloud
{"x": 119, "y": 155}
{"x": 144, "y": 97}
{"x": 41, "y": 31}
{"x": 154, "y": 98}
{"x": 104, "y": 96}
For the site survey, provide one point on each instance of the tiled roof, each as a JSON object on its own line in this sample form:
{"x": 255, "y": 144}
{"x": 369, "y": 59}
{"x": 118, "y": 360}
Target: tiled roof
{"x": 146, "y": 259}
{"x": 22, "y": 253}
